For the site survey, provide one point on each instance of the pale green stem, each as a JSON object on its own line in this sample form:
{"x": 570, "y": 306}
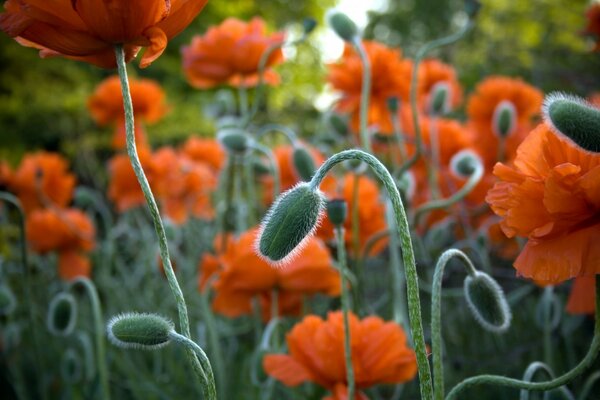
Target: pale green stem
{"x": 341, "y": 248}
{"x": 412, "y": 279}
{"x": 365, "y": 94}
{"x": 355, "y": 215}
{"x": 275, "y": 316}
{"x": 213, "y": 340}
{"x": 434, "y": 164}
{"x": 547, "y": 322}
{"x": 243, "y": 100}
{"x": 151, "y": 202}
{"x": 90, "y": 288}
{"x": 274, "y": 167}
{"x": 398, "y": 284}
{"x": 287, "y": 132}
{"x": 588, "y": 385}
{"x": 564, "y": 379}
{"x": 531, "y": 370}
{"x": 399, "y": 136}
{"x": 455, "y": 198}
{"x": 205, "y": 369}
{"x": 436, "y": 315}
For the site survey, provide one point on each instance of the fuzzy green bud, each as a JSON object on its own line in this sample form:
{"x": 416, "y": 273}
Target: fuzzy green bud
{"x": 487, "y": 302}
{"x": 464, "y": 163}
{"x": 393, "y": 104}
{"x": 62, "y": 314}
{"x": 439, "y": 100}
{"x": 575, "y": 119}
{"x": 343, "y": 26}
{"x": 303, "y": 163}
{"x": 290, "y": 221}
{"x": 338, "y": 124}
{"x": 8, "y": 302}
{"x": 504, "y": 120}
{"x": 309, "y": 24}
{"x": 235, "y": 140}
{"x": 337, "y": 211}
{"x": 259, "y": 167}
{"x": 139, "y": 331}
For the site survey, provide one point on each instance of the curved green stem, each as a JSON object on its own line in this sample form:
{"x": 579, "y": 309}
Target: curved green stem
{"x": 436, "y": 315}
{"x": 412, "y": 280}
{"x": 365, "y": 94}
{"x": 213, "y": 340}
{"x": 206, "y": 369}
{"x": 274, "y": 167}
{"x": 398, "y": 284}
{"x": 531, "y": 370}
{"x": 455, "y": 198}
{"x": 90, "y": 288}
{"x": 588, "y": 385}
{"x": 341, "y": 248}
{"x": 286, "y": 131}
{"x": 151, "y": 202}
{"x": 540, "y": 386}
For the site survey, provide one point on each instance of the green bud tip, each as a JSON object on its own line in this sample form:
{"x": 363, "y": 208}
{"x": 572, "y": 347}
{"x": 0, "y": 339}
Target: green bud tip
{"x": 575, "y": 119}
{"x": 393, "y": 104}
{"x": 304, "y": 165}
{"x": 234, "y": 140}
{"x": 309, "y": 24}
{"x": 504, "y": 120}
{"x": 464, "y": 163}
{"x": 62, "y": 314}
{"x": 487, "y": 302}
{"x": 439, "y": 98}
{"x": 343, "y": 26}
{"x": 139, "y": 331}
{"x": 288, "y": 224}
{"x": 337, "y": 211}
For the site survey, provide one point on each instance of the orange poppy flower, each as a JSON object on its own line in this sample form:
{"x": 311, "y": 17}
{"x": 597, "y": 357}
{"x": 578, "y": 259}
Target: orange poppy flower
{"x": 6, "y": 173}
{"x": 106, "y": 106}
{"x": 72, "y": 263}
{"x": 551, "y": 196}
{"x": 230, "y": 53}
{"x": 243, "y": 276}
{"x": 390, "y": 77}
{"x": 594, "y": 99}
{"x": 592, "y": 27}
{"x": 371, "y": 211}
{"x": 379, "y": 354}
{"x": 41, "y": 179}
{"x": 205, "y": 150}
{"x": 582, "y": 299}
{"x": 89, "y": 30}
{"x": 481, "y": 108}
{"x": 433, "y": 72}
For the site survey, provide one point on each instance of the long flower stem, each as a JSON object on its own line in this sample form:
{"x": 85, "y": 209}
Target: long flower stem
{"x": 98, "y": 332}
{"x": 365, "y": 94}
{"x": 412, "y": 279}
{"x": 213, "y": 340}
{"x": 539, "y": 386}
{"x": 341, "y": 248}
{"x": 152, "y": 206}
{"x": 436, "y": 316}
{"x": 206, "y": 369}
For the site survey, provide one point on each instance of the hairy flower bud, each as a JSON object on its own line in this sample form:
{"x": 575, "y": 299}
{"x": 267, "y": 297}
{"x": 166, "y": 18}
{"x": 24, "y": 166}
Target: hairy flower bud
{"x": 62, "y": 314}
{"x": 292, "y": 219}
{"x": 487, "y": 302}
{"x": 439, "y": 99}
{"x": 343, "y": 26}
{"x": 234, "y": 140}
{"x": 139, "y": 331}
{"x": 575, "y": 119}
{"x": 464, "y": 163}
{"x": 337, "y": 211}
{"x": 504, "y": 121}
{"x": 303, "y": 163}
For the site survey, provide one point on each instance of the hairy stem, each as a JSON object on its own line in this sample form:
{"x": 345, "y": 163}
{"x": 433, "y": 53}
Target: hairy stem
{"x": 206, "y": 369}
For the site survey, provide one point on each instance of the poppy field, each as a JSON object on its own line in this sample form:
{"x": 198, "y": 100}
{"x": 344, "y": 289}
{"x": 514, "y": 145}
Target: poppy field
{"x": 204, "y": 200}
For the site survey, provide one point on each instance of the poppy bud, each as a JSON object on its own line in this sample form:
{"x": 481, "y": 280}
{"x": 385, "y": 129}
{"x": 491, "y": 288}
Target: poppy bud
{"x": 259, "y": 167}
{"x": 393, "y": 104}
{"x": 487, "y": 302}
{"x": 70, "y": 366}
{"x": 472, "y": 8}
{"x": 309, "y": 25}
{"x": 234, "y": 140}
{"x": 292, "y": 219}
{"x": 464, "y": 163}
{"x": 337, "y": 211}
{"x": 62, "y": 314}
{"x": 139, "y": 331}
{"x": 343, "y": 26}
{"x": 439, "y": 99}
{"x": 504, "y": 121}
{"x": 303, "y": 163}
{"x": 338, "y": 124}
{"x": 7, "y": 300}
{"x": 575, "y": 119}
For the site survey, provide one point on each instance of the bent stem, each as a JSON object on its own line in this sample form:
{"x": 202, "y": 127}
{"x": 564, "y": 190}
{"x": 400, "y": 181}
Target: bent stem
{"x": 364, "y": 94}
{"x": 339, "y": 236}
{"x": 208, "y": 378}
{"x": 152, "y": 206}
{"x": 436, "y": 315}
{"x": 412, "y": 279}
{"x": 540, "y": 386}
{"x": 98, "y": 331}
{"x": 531, "y": 370}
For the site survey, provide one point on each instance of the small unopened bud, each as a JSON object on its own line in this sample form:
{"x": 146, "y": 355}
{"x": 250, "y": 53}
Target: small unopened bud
{"x": 393, "y": 104}
{"x": 234, "y": 140}
{"x": 8, "y": 302}
{"x": 575, "y": 119}
{"x": 464, "y": 163}
{"x": 259, "y": 167}
{"x": 337, "y": 211}
{"x": 62, "y": 314}
{"x": 343, "y": 26}
{"x": 303, "y": 163}
{"x": 139, "y": 331}
{"x": 439, "y": 99}
{"x": 472, "y": 8}
{"x": 290, "y": 221}
{"x": 338, "y": 124}
{"x": 309, "y": 25}
{"x": 487, "y": 302}
{"x": 71, "y": 366}
{"x": 504, "y": 121}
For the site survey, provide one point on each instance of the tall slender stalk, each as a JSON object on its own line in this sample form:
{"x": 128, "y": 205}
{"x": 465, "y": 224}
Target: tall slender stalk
{"x": 365, "y": 94}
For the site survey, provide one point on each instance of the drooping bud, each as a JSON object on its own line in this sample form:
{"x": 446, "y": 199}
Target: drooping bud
{"x": 439, "y": 99}
{"x": 504, "y": 120}
{"x": 464, "y": 163}
{"x": 71, "y": 366}
{"x": 575, "y": 119}
{"x": 309, "y": 25}
{"x": 234, "y": 140}
{"x": 139, "y": 331}
{"x": 343, "y": 26}
{"x": 62, "y": 314}
{"x": 259, "y": 167}
{"x": 337, "y": 211}
{"x": 487, "y": 302}
{"x": 304, "y": 164}
{"x": 338, "y": 124}
{"x": 8, "y": 302}
{"x": 290, "y": 221}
